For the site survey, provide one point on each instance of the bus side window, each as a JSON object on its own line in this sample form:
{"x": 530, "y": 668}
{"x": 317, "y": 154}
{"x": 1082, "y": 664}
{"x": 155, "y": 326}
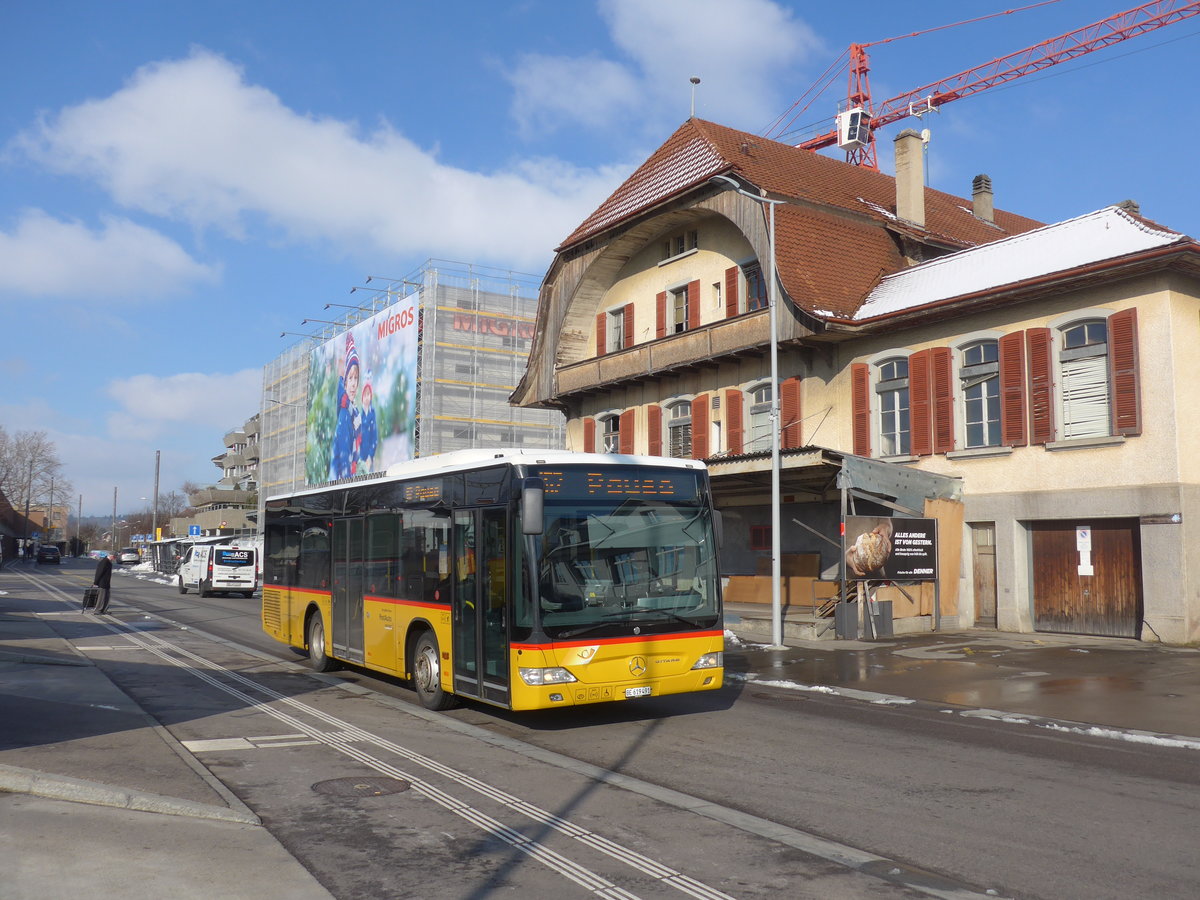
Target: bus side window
{"x": 430, "y": 534}
{"x": 383, "y": 575}
{"x": 282, "y": 549}
{"x": 313, "y": 570}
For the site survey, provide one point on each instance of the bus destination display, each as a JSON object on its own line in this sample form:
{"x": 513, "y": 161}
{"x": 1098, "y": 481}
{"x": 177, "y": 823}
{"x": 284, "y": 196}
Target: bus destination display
{"x": 619, "y": 481}
{"x": 422, "y": 491}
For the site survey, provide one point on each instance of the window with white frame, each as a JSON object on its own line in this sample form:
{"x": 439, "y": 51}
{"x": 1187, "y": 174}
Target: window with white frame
{"x": 1083, "y": 374}
{"x": 679, "y": 430}
{"x": 756, "y": 287}
{"x": 678, "y": 313}
{"x": 616, "y": 329}
{"x": 758, "y": 436}
{"x": 891, "y": 387}
{"x": 979, "y": 379}
{"x": 610, "y": 434}
{"x": 679, "y": 244}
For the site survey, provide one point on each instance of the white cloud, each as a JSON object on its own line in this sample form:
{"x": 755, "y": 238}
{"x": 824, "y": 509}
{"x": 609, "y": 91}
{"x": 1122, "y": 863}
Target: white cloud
{"x": 93, "y": 463}
{"x": 742, "y": 50}
{"x": 549, "y": 90}
{"x": 191, "y": 140}
{"x": 150, "y": 406}
{"x": 47, "y": 257}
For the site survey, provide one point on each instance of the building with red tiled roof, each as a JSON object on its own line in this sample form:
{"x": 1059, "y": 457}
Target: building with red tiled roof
{"x": 987, "y": 357}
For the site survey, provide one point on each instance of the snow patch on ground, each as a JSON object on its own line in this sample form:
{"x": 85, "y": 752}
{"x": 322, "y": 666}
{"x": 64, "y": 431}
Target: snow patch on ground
{"x": 1133, "y": 737}
{"x": 732, "y": 640}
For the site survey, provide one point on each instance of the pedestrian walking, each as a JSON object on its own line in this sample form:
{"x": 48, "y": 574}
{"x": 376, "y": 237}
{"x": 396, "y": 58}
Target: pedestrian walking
{"x": 103, "y": 581}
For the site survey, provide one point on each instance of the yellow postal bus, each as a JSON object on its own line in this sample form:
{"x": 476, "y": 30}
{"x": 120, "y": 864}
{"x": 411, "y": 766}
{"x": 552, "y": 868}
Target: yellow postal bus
{"x": 522, "y": 578}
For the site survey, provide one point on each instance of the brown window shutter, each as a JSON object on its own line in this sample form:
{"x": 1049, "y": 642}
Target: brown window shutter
{"x": 789, "y": 425}
{"x": 860, "y": 388}
{"x": 654, "y": 438}
{"x": 920, "y": 397}
{"x": 628, "y": 324}
{"x": 589, "y": 435}
{"x": 660, "y": 315}
{"x": 601, "y": 322}
{"x": 625, "y": 438}
{"x": 693, "y": 290}
{"x": 700, "y": 427}
{"x": 732, "y": 277}
{"x": 942, "y": 364}
{"x": 1012, "y": 390}
{"x": 1123, "y": 372}
{"x": 735, "y": 428}
{"x": 1041, "y": 385}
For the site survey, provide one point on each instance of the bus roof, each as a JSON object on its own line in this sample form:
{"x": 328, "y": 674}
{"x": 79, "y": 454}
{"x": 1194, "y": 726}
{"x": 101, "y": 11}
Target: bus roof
{"x": 463, "y": 460}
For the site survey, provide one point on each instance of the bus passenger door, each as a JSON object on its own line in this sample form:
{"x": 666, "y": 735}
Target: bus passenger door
{"x": 480, "y": 604}
{"x": 347, "y": 602}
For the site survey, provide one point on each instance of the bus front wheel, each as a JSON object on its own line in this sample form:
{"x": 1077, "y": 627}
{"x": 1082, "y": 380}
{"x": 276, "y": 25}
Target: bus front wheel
{"x": 317, "y": 654}
{"x": 427, "y": 674}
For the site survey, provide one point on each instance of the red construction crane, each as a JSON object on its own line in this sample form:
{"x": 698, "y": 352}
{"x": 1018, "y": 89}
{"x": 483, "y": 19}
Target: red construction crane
{"x": 857, "y": 123}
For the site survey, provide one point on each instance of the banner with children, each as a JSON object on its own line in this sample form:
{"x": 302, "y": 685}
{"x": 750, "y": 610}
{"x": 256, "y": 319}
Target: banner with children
{"x": 362, "y": 392}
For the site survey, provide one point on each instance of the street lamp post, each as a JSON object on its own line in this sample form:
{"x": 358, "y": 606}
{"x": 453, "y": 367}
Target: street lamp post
{"x": 154, "y": 514}
{"x": 772, "y": 313}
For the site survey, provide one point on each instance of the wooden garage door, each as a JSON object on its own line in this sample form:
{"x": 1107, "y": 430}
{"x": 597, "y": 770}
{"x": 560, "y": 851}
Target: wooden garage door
{"x": 1106, "y": 602}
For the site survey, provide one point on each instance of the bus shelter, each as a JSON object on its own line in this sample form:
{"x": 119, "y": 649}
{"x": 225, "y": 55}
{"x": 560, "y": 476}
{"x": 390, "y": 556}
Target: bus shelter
{"x": 830, "y": 500}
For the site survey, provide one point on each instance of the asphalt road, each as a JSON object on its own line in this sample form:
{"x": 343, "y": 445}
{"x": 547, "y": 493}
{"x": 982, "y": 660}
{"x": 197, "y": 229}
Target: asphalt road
{"x": 749, "y": 791}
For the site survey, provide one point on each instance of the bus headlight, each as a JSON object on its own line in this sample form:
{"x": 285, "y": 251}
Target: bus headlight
{"x": 551, "y": 675}
{"x": 710, "y": 661}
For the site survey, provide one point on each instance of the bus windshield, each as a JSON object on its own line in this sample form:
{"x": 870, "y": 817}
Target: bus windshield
{"x": 616, "y": 564}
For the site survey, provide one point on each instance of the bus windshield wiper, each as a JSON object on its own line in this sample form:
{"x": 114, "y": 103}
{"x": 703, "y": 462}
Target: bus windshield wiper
{"x": 666, "y": 613}
{"x": 585, "y": 629}
{"x": 630, "y": 615}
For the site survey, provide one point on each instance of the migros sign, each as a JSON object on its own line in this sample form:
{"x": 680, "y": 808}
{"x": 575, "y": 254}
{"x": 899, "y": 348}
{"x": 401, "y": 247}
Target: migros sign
{"x": 486, "y": 325}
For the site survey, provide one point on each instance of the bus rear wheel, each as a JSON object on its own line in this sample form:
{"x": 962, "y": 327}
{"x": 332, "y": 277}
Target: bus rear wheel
{"x": 427, "y": 674}
{"x": 318, "y": 656}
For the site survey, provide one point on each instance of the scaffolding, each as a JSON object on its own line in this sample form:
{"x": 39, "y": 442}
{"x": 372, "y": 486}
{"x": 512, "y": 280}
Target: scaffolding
{"x": 475, "y": 329}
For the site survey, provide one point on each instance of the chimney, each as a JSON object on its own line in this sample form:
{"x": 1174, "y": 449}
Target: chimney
{"x": 910, "y": 177}
{"x": 982, "y": 199}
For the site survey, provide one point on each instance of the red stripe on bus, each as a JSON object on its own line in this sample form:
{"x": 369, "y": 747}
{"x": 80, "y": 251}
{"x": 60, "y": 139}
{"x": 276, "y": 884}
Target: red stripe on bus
{"x": 396, "y": 601}
{"x": 293, "y": 590}
{"x": 632, "y": 639}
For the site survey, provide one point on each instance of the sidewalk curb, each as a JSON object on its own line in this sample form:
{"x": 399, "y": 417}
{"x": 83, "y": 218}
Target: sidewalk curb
{"x": 38, "y": 660}
{"x": 16, "y": 780}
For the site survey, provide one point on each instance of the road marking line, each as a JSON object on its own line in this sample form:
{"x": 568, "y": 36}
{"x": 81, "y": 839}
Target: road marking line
{"x": 841, "y": 854}
{"x": 207, "y": 746}
{"x": 568, "y": 868}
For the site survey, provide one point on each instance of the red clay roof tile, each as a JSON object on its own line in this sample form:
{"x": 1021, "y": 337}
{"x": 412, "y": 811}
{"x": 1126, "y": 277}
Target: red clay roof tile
{"x": 841, "y": 237}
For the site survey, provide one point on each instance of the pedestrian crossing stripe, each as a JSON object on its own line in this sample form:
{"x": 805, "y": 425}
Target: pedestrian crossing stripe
{"x": 253, "y": 743}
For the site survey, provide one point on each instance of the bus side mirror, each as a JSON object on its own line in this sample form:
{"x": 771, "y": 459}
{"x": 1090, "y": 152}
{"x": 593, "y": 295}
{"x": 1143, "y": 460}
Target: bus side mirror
{"x": 533, "y": 495}
{"x": 718, "y": 528}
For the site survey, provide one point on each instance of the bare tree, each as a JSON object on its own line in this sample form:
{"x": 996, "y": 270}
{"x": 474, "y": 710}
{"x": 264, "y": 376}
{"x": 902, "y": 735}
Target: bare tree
{"x": 171, "y": 505}
{"x": 30, "y": 469}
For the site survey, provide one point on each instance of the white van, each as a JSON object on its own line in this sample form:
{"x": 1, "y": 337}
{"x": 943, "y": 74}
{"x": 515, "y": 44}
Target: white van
{"x": 219, "y": 568}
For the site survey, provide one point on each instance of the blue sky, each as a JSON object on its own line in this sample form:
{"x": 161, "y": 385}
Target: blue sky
{"x": 181, "y": 181}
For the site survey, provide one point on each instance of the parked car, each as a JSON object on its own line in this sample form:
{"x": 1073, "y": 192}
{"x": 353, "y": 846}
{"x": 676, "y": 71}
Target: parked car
{"x": 219, "y": 569}
{"x": 48, "y": 553}
{"x": 129, "y": 556}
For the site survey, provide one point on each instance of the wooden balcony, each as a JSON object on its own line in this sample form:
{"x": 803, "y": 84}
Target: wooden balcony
{"x": 704, "y": 347}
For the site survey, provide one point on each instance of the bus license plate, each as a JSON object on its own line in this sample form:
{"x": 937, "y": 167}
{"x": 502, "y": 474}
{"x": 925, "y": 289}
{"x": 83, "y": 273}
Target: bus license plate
{"x": 637, "y": 692}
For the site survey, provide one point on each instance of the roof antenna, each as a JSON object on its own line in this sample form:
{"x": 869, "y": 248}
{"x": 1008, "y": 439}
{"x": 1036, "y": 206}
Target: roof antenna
{"x": 695, "y": 80}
